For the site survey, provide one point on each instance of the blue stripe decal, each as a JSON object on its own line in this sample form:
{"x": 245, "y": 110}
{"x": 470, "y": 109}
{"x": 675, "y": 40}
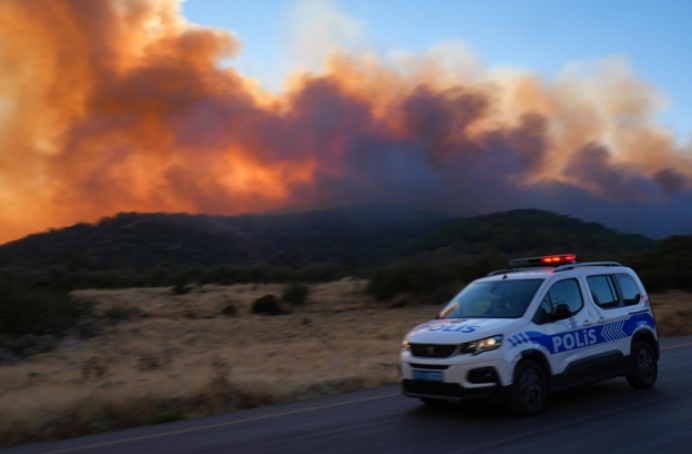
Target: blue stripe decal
{"x": 558, "y": 343}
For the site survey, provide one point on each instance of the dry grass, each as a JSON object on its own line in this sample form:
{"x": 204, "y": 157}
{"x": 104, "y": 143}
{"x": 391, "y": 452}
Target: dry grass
{"x": 180, "y": 357}
{"x": 673, "y": 312}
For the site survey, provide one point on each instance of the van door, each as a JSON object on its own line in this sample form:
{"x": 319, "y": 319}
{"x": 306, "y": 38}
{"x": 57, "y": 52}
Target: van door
{"x": 567, "y": 330}
{"x": 613, "y": 340}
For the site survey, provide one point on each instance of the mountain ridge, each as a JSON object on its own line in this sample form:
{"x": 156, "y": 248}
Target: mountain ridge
{"x": 373, "y": 234}
{"x": 207, "y": 240}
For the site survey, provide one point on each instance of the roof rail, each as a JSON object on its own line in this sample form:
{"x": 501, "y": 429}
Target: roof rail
{"x": 585, "y": 264}
{"x": 517, "y": 270}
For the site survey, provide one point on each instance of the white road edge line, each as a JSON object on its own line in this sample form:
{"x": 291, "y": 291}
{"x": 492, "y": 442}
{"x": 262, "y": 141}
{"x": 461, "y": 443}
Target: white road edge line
{"x": 212, "y": 426}
{"x": 675, "y": 346}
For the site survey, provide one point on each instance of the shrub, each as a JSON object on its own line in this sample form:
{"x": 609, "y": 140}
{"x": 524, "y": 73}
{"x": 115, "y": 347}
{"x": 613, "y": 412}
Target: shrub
{"x": 182, "y": 286}
{"x": 158, "y": 277}
{"x": 435, "y": 281}
{"x": 668, "y": 267}
{"x": 229, "y": 310}
{"x": 267, "y": 305}
{"x": 116, "y": 313}
{"x": 26, "y": 309}
{"x": 182, "y": 289}
{"x": 419, "y": 278}
{"x": 323, "y": 272}
{"x": 167, "y": 416}
{"x": 295, "y": 294}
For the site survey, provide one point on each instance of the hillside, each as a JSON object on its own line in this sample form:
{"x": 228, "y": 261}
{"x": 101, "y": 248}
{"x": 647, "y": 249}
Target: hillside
{"x": 406, "y": 249}
{"x": 526, "y": 232}
{"x": 374, "y": 235}
{"x": 135, "y": 241}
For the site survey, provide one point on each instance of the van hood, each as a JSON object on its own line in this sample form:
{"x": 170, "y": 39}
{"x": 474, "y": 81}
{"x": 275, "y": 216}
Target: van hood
{"x": 457, "y": 330}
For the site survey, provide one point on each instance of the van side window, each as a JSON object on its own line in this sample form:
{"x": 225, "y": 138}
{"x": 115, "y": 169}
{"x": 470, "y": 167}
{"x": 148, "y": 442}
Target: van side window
{"x": 603, "y": 291}
{"x": 563, "y": 293}
{"x": 629, "y": 288}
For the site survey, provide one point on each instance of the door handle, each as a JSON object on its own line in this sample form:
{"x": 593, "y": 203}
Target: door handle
{"x": 586, "y": 323}
{"x": 601, "y": 320}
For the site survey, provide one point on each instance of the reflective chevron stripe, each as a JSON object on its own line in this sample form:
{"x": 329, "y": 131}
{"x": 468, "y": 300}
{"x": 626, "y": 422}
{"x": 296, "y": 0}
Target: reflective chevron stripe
{"x": 614, "y": 331}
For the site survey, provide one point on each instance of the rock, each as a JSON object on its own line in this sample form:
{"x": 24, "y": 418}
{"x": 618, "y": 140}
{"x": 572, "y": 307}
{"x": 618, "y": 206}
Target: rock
{"x": 32, "y": 344}
{"x": 90, "y": 328}
{"x": 229, "y": 310}
{"x": 7, "y": 358}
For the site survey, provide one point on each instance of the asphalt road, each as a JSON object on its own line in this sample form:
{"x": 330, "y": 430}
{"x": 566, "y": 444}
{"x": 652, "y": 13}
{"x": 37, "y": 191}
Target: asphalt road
{"x": 607, "y": 417}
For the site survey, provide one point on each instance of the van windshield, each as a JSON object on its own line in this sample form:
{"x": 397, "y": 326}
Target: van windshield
{"x": 494, "y": 299}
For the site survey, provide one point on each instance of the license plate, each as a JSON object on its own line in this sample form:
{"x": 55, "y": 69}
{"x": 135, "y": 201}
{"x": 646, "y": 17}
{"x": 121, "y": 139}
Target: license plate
{"x": 427, "y": 375}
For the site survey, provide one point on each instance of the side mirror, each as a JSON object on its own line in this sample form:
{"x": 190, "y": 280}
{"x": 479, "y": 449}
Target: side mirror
{"x": 561, "y": 312}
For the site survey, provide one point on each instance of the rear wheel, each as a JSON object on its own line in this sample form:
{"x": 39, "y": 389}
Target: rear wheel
{"x": 530, "y": 389}
{"x": 645, "y": 371}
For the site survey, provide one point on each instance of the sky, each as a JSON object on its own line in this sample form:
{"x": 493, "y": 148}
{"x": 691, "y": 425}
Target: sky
{"x": 545, "y": 36}
{"x": 230, "y": 107}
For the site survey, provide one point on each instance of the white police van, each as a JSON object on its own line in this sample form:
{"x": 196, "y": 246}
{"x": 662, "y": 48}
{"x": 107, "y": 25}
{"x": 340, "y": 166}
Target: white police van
{"x": 524, "y": 332}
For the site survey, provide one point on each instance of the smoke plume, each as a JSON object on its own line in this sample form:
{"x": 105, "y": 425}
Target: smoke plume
{"x": 110, "y": 106}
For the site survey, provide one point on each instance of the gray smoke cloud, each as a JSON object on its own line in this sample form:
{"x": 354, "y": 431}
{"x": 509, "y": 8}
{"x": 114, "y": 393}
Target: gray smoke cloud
{"x": 124, "y": 106}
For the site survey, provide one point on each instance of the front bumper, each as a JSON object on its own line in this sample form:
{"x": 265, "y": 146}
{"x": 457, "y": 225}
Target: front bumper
{"x": 464, "y": 377}
{"x": 447, "y": 391}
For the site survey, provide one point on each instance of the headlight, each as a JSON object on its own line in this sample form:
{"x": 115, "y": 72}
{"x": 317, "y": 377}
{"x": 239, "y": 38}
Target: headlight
{"x": 405, "y": 346}
{"x": 482, "y": 345}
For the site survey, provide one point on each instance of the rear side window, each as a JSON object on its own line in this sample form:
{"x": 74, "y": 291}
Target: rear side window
{"x": 629, "y": 288}
{"x": 603, "y": 291}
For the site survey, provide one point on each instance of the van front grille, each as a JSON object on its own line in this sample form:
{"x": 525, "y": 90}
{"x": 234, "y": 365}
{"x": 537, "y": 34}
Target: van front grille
{"x": 432, "y": 350}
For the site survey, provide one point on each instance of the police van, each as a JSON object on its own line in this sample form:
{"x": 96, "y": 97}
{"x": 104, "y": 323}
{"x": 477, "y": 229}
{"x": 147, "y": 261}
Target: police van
{"x": 546, "y": 324}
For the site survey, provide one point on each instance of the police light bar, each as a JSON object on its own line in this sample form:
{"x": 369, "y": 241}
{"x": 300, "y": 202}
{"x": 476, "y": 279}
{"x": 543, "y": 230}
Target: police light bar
{"x": 546, "y": 260}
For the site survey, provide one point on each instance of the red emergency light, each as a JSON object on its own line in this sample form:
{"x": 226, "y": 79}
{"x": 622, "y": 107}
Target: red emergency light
{"x": 563, "y": 259}
{"x": 559, "y": 259}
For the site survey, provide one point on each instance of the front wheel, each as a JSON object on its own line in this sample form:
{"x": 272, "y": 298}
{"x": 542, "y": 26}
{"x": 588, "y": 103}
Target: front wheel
{"x": 645, "y": 371}
{"x": 530, "y": 389}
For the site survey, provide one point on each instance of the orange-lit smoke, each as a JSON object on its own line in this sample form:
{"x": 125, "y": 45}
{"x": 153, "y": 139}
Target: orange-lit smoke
{"x": 110, "y": 106}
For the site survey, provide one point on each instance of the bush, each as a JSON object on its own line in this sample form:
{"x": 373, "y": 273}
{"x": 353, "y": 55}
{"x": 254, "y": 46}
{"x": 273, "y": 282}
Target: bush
{"x": 26, "y": 309}
{"x": 295, "y": 294}
{"x": 267, "y": 305}
{"x": 167, "y": 416}
{"x": 419, "y": 278}
{"x": 182, "y": 289}
{"x": 323, "y": 272}
{"x": 435, "y": 281}
{"x": 116, "y": 313}
{"x": 668, "y": 267}
{"x": 158, "y": 277}
{"x": 182, "y": 286}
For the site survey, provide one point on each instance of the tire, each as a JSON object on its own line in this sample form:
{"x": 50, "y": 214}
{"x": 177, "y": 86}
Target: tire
{"x": 433, "y": 402}
{"x": 645, "y": 368}
{"x": 529, "y": 390}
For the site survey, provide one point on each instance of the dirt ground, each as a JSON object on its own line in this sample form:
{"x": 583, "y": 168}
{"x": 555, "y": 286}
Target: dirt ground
{"x": 167, "y": 357}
